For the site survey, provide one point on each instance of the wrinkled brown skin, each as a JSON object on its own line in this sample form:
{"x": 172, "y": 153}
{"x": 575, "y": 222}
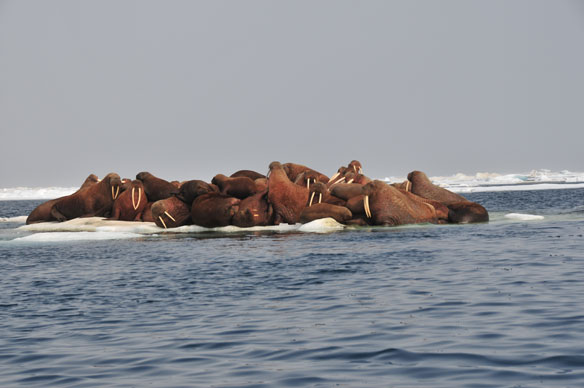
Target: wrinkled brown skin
{"x": 293, "y": 170}
{"x": 254, "y": 211}
{"x": 359, "y": 220}
{"x": 355, "y": 205}
{"x": 461, "y": 210}
{"x": 405, "y": 185}
{"x": 239, "y": 187}
{"x": 309, "y": 176}
{"x": 190, "y": 190}
{"x": 156, "y": 188}
{"x": 214, "y": 209}
{"x": 287, "y": 198}
{"x": 123, "y": 208}
{"x": 320, "y": 188}
{"x": 93, "y": 201}
{"x": 248, "y": 174}
{"x": 147, "y": 213}
{"x": 323, "y": 210}
{"x": 176, "y": 208}
{"x": 391, "y": 207}
{"x": 442, "y": 210}
{"x": 42, "y": 213}
{"x": 346, "y": 191}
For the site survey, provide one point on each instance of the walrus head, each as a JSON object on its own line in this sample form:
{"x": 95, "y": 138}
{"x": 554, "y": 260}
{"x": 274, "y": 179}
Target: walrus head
{"x": 274, "y": 166}
{"x": 143, "y": 175}
{"x": 114, "y": 181}
{"x": 367, "y": 191}
{"x": 355, "y": 166}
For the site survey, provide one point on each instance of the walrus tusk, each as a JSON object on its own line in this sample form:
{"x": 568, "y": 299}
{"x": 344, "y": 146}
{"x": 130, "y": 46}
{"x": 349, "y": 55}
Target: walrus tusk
{"x": 133, "y": 200}
{"x": 339, "y": 181}
{"x": 334, "y": 177}
{"x": 308, "y": 184}
{"x": 408, "y": 184}
{"x": 117, "y": 191}
{"x": 351, "y": 180}
{"x": 139, "y": 196}
{"x": 354, "y": 168}
{"x": 366, "y": 206}
{"x": 161, "y": 220}
{"x": 311, "y": 198}
{"x": 319, "y": 197}
{"x": 169, "y": 216}
{"x": 113, "y": 193}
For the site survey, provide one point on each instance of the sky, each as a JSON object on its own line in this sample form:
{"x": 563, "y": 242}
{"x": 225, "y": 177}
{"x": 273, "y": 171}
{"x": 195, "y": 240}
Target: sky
{"x": 190, "y": 89}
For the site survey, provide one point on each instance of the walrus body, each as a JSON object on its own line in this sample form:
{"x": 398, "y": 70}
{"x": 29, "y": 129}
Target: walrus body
{"x": 42, "y": 213}
{"x": 288, "y": 199}
{"x": 254, "y": 211}
{"x": 96, "y": 200}
{"x": 131, "y": 203}
{"x": 170, "y": 213}
{"x": 156, "y": 188}
{"x": 238, "y": 187}
{"x": 323, "y": 210}
{"x": 214, "y": 209}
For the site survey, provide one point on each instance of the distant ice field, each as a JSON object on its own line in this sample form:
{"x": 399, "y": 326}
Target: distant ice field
{"x": 459, "y": 183}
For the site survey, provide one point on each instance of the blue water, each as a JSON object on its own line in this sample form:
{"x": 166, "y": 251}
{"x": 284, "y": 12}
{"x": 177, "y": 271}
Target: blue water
{"x": 489, "y": 305}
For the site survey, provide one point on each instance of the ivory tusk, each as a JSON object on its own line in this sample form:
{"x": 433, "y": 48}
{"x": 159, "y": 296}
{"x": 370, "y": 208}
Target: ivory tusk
{"x": 133, "y": 200}
{"x": 319, "y": 197}
{"x": 113, "y": 193}
{"x": 311, "y": 198}
{"x": 308, "y": 184}
{"x": 334, "y": 177}
{"x": 169, "y": 216}
{"x": 117, "y": 191}
{"x": 351, "y": 180}
{"x": 366, "y": 206}
{"x": 161, "y": 220}
{"x": 408, "y": 184}
{"x": 354, "y": 168}
{"x": 139, "y": 196}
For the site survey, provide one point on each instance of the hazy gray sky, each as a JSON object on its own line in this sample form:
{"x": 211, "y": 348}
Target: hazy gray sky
{"x": 188, "y": 89}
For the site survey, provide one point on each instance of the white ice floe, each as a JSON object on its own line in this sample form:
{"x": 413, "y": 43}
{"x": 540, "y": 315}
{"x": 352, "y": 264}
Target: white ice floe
{"x": 103, "y": 228}
{"x": 25, "y": 193}
{"x": 523, "y": 217}
{"x": 76, "y": 236}
{"x": 16, "y": 220}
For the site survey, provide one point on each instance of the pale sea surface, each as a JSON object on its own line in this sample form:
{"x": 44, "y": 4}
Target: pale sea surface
{"x": 486, "y": 305}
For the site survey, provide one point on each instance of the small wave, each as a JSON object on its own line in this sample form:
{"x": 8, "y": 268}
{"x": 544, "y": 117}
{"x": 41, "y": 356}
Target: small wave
{"x": 523, "y": 217}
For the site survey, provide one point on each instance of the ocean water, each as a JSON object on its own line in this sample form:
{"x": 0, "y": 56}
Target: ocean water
{"x": 499, "y": 304}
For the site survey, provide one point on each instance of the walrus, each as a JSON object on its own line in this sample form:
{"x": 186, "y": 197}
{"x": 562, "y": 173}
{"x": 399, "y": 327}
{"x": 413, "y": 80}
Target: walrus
{"x": 42, "y": 213}
{"x": 93, "y": 201}
{"x": 170, "y": 213}
{"x": 386, "y": 205}
{"x": 131, "y": 203}
{"x": 214, "y": 209}
{"x": 239, "y": 187}
{"x": 319, "y": 193}
{"x": 323, "y": 210}
{"x": 461, "y": 210}
{"x": 190, "y": 190}
{"x": 254, "y": 211}
{"x": 248, "y": 174}
{"x": 346, "y": 191}
{"x": 287, "y": 198}
{"x": 156, "y": 188}
{"x": 293, "y": 170}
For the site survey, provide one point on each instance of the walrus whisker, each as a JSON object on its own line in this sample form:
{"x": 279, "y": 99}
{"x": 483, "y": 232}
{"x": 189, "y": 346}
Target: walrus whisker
{"x": 161, "y": 220}
{"x": 169, "y": 216}
{"x": 311, "y": 198}
{"x": 366, "y": 206}
{"x": 133, "y": 200}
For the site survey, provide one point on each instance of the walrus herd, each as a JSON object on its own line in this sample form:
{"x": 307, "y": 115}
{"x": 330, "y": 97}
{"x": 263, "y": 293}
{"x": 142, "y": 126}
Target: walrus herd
{"x": 290, "y": 193}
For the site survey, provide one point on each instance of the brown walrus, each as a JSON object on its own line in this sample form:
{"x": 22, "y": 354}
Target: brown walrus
{"x": 170, "y": 213}
{"x": 156, "y": 188}
{"x": 461, "y": 210}
{"x": 254, "y": 211}
{"x": 93, "y": 201}
{"x": 287, "y": 199}
{"x": 323, "y": 210}
{"x": 131, "y": 203}
{"x": 238, "y": 187}
{"x": 214, "y": 209}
